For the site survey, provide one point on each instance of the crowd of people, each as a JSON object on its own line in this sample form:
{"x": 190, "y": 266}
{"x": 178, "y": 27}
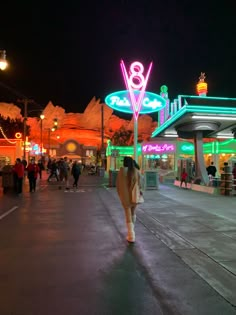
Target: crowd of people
{"x": 61, "y": 169}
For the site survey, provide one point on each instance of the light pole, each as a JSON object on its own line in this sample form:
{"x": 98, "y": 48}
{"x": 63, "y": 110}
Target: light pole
{"x": 49, "y": 141}
{"x": 55, "y": 126}
{"x": 102, "y": 135}
{"x": 41, "y": 135}
{"x": 3, "y": 61}
{"x": 25, "y": 101}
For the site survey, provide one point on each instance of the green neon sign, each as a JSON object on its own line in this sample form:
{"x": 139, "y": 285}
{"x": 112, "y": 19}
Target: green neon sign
{"x": 121, "y": 101}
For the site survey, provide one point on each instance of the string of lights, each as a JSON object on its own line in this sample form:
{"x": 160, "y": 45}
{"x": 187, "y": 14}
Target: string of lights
{"x": 4, "y": 135}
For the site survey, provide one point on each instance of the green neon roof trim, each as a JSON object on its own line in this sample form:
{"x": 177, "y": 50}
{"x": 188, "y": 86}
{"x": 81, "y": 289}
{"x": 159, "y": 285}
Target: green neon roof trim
{"x": 211, "y": 109}
{"x": 208, "y": 97}
{"x": 129, "y": 150}
{"x": 168, "y": 122}
{"x": 192, "y": 109}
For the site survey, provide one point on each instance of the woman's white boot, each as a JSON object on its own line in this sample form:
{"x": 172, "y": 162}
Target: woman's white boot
{"x": 134, "y": 218}
{"x": 131, "y": 235}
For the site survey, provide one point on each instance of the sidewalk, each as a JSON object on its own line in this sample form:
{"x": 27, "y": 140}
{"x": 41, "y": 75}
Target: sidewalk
{"x": 66, "y": 249}
{"x": 197, "y": 227}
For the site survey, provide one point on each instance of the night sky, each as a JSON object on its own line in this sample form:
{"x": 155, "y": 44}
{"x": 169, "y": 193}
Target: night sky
{"x": 68, "y": 53}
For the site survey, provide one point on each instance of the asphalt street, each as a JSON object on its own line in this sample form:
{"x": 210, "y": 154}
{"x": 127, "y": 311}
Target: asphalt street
{"x": 64, "y": 252}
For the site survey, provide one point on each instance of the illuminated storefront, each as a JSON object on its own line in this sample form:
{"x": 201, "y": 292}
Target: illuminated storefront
{"x": 163, "y": 155}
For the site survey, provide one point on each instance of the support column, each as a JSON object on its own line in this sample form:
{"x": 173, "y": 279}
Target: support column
{"x": 200, "y": 167}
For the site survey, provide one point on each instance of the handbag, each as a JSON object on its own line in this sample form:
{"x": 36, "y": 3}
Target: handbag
{"x": 137, "y": 195}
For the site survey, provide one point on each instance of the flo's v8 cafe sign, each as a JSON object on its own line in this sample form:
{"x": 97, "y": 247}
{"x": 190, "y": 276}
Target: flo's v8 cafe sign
{"x": 135, "y": 99}
{"x": 121, "y": 101}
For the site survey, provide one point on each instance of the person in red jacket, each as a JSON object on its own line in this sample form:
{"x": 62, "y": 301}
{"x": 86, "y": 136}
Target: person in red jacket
{"x": 183, "y": 179}
{"x": 33, "y": 170}
{"x": 18, "y": 174}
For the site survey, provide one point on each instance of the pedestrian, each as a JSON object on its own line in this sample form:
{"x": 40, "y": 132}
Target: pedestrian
{"x": 211, "y": 170}
{"x": 183, "y": 179}
{"x": 18, "y": 175}
{"x": 33, "y": 171}
{"x": 41, "y": 168}
{"x": 234, "y": 176}
{"x": 54, "y": 171}
{"x": 64, "y": 169}
{"x": 128, "y": 178}
{"x": 49, "y": 165}
{"x": 76, "y": 172}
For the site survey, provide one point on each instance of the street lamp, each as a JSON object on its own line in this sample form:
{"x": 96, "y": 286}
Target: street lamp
{"x": 102, "y": 136}
{"x": 3, "y": 61}
{"x": 25, "y": 102}
{"x": 41, "y": 134}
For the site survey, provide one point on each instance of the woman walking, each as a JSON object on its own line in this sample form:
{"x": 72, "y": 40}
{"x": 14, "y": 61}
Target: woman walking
{"x": 128, "y": 180}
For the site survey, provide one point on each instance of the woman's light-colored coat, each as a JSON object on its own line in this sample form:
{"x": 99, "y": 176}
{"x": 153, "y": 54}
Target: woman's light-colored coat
{"x": 123, "y": 189}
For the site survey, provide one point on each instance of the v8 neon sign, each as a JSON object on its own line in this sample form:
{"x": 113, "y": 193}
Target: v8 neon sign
{"x": 135, "y": 81}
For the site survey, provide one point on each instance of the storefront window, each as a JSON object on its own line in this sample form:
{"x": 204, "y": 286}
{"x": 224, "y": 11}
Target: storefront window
{"x": 163, "y": 162}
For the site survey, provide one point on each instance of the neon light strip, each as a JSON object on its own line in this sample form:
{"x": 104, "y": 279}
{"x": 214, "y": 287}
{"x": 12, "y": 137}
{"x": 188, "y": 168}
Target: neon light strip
{"x": 125, "y": 74}
{"x": 128, "y": 87}
{"x": 208, "y": 97}
{"x": 211, "y": 109}
{"x": 213, "y": 117}
{"x": 168, "y": 122}
{"x": 131, "y": 93}
{"x": 136, "y": 105}
{"x": 141, "y": 95}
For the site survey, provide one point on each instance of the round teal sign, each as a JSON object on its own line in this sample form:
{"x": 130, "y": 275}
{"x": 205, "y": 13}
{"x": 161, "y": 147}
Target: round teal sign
{"x": 120, "y": 101}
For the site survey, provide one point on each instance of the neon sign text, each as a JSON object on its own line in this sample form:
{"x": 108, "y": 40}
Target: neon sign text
{"x": 121, "y": 101}
{"x": 154, "y": 148}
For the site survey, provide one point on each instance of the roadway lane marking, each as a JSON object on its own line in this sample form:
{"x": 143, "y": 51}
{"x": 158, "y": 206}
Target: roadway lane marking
{"x": 74, "y": 191}
{"x": 8, "y": 212}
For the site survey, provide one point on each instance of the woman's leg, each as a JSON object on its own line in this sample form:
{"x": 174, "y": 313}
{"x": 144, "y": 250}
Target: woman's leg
{"x": 133, "y": 214}
{"x": 34, "y": 184}
{"x": 130, "y": 225}
{"x": 76, "y": 180}
{"x": 20, "y": 184}
{"x": 30, "y": 184}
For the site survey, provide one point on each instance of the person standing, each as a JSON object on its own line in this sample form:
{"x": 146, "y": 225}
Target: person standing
{"x": 18, "y": 175}
{"x": 211, "y": 170}
{"x": 41, "y": 168}
{"x": 54, "y": 171}
{"x": 64, "y": 169}
{"x": 76, "y": 171}
{"x": 128, "y": 177}
{"x": 33, "y": 171}
{"x": 183, "y": 179}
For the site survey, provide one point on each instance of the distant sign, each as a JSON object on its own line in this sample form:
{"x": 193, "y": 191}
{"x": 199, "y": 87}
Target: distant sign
{"x": 115, "y": 153}
{"x": 158, "y": 148}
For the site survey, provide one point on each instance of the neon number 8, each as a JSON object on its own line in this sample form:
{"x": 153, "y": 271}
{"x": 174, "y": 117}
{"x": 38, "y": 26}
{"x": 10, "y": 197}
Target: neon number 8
{"x": 136, "y": 78}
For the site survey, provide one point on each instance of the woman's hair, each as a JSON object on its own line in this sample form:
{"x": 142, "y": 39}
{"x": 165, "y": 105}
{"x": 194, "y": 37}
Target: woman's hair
{"x": 129, "y": 162}
{"x": 136, "y": 165}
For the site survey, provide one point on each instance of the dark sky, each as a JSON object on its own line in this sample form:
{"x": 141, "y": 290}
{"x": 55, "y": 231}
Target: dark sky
{"x": 70, "y": 52}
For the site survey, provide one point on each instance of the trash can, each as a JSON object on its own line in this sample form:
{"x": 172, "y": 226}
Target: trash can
{"x": 7, "y": 178}
{"x": 112, "y": 178}
{"x": 101, "y": 171}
